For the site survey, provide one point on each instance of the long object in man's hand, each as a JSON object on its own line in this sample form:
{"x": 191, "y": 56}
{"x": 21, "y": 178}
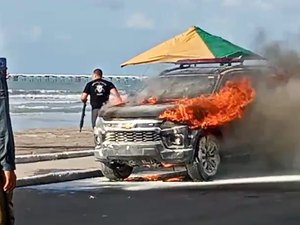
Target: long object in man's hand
{"x": 82, "y": 117}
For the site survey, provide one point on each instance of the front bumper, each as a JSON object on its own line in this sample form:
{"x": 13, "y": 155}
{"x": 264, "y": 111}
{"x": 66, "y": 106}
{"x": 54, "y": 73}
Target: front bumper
{"x": 139, "y": 153}
{"x": 142, "y": 142}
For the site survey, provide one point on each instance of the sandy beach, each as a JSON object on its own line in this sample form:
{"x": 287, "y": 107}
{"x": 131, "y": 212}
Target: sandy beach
{"x": 34, "y": 141}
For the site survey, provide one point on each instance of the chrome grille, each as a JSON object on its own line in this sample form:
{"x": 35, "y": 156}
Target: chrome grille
{"x": 132, "y": 136}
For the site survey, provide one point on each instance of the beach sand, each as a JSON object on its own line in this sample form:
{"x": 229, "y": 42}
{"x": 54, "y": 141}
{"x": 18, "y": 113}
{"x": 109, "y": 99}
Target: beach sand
{"x": 36, "y": 141}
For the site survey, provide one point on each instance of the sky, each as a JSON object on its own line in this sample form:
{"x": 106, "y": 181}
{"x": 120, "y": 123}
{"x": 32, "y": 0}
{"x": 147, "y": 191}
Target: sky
{"x": 76, "y": 36}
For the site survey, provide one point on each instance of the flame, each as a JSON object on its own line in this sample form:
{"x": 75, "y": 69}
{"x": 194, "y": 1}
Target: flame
{"x": 154, "y": 100}
{"x": 144, "y": 178}
{"x": 148, "y": 178}
{"x": 175, "y": 179}
{"x": 151, "y": 101}
{"x": 167, "y": 165}
{"x": 213, "y": 110}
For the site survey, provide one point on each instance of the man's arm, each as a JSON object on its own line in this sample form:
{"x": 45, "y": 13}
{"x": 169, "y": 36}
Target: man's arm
{"x": 7, "y": 146}
{"x": 84, "y": 97}
{"x": 85, "y": 93}
{"x": 117, "y": 95}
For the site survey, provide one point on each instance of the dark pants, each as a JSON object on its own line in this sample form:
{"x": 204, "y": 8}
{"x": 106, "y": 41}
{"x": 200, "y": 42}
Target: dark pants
{"x": 94, "y": 117}
{"x": 6, "y": 206}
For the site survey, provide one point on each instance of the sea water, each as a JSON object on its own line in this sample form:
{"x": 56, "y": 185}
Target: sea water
{"x": 53, "y": 101}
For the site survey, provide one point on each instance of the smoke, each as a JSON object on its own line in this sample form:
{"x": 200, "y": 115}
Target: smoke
{"x": 164, "y": 88}
{"x": 271, "y": 124}
{"x": 283, "y": 54}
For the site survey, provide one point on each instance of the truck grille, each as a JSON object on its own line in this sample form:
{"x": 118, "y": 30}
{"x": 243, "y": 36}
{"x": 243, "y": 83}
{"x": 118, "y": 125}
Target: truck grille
{"x": 132, "y": 136}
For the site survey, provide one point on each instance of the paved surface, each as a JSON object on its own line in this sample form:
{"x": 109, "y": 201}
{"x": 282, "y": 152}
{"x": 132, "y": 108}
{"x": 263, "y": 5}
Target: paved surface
{"x": 91, "y": 202}
{"x": 269, "y": 183}
{"x": 39, "y": 168}
{"x": 229, "y": 169}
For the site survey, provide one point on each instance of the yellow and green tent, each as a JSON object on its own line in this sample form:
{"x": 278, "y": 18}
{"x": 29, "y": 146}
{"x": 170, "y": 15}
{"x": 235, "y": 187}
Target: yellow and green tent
{"x": 193, "y": 44}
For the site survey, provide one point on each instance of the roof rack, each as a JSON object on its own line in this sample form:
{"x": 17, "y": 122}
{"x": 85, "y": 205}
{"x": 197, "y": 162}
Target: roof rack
{"x": 207, "y": 65}
{"x": 210, "y": 61}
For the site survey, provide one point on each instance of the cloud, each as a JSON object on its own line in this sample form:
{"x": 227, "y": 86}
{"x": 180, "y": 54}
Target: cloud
{"x": 35, "y": 33}
{"x": 109, "y": 4}
{"x": 1, "y": 38}
{"x": 263, "y": 5}
{"x": 63, "y": 37}
{"x": 231, "y": 2}
{"x": 140, "y": 21}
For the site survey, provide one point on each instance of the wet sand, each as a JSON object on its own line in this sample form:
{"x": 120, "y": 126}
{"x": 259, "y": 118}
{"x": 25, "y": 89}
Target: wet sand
{"x": 35, "y": 141}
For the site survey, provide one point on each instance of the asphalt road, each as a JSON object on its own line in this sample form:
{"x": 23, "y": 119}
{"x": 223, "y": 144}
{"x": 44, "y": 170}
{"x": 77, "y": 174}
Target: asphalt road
{"x": 92, "y": 203}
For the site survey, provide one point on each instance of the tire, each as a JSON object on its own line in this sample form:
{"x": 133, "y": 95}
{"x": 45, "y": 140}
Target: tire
{"x": 116, "y": 172}
{"x": 206, "y": 160}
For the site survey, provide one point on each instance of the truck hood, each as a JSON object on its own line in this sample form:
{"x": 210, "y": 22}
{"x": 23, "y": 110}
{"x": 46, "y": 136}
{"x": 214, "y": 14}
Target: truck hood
{"x": 135, "y": 111}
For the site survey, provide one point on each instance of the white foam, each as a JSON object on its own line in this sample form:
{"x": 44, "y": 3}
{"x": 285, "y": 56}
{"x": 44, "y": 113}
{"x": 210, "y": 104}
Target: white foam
{"x": 32, "y": 107}
{"x": 24, "y": 102}
{"x": 44, "y": 96}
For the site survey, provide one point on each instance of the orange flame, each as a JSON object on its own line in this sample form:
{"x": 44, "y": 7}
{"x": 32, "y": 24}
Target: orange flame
{"x": 214, "y": 110}
{"x": 175, "y": 179}
{"x": 144, "y": 178}
{"x": 167, "y": 165}
{"x": 148, "y": 178}
{"x": 152, "y": 100}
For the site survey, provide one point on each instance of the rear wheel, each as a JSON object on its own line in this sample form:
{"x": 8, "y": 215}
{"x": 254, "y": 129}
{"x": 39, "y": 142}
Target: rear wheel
{"x": 116, "y": 171}
{"x": 207, "y": 159}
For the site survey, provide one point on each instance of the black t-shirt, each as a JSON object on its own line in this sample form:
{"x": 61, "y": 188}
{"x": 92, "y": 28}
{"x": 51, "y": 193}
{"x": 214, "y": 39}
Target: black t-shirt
{"x": 99, "y": 91}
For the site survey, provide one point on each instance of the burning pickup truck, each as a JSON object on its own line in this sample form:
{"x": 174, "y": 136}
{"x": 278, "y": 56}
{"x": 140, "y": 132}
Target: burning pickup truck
{"x": 178, "y": 118}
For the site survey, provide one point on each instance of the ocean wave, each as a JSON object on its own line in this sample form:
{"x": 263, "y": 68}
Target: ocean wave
{"x": 41, "y": 91}
{"x": 31, "y": 114}
{"x": 46, "y": 109}
{"x": 45, "y": 101}
{"x": 33, "y": 107}
{"x": 45, "y": 96}
{"x": 44, "y": 91}
{"x": 69, "y": 107}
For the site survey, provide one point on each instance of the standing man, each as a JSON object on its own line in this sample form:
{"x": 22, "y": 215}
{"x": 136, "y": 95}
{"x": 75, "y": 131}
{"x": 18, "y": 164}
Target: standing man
{"x": 99, "y": 91}
{"x": 7, "y": 152}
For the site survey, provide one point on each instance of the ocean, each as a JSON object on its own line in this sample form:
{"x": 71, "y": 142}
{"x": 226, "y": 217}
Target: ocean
{"x": 53, "y": 101}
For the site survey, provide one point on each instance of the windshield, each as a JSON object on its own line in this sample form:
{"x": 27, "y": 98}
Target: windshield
{"x": 183, "y": 86}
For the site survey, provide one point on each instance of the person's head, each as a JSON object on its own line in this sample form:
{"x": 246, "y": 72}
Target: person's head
{"x": 97, "y": 73}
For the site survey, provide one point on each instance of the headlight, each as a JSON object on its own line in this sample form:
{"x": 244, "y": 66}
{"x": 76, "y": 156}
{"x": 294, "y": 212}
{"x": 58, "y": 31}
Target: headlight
{"x": 98, "y": 139}
{"x": 100, "y": 125}
{"x": 176, "y": 137}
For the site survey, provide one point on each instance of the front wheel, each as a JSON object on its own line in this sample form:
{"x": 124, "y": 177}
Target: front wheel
{"x": 207, "y": 159}
{"x": 116, "y": 171}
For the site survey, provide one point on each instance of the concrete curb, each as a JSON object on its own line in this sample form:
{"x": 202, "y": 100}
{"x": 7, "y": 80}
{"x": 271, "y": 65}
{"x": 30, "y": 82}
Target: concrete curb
{"x": 58, "y": 177}
{"x": 79, "y": 174}
{"x": 53, "y": 156}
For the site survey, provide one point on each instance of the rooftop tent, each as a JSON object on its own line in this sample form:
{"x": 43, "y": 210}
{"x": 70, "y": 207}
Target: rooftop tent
{"x": 193, "y": 44}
